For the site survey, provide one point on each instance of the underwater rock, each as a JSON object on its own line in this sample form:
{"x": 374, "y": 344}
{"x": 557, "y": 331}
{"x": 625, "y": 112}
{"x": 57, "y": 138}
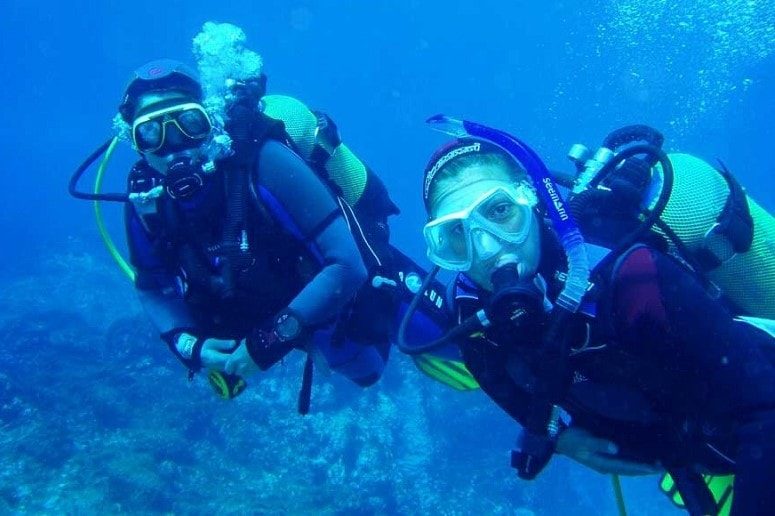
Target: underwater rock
{"x": 96, "y": 416}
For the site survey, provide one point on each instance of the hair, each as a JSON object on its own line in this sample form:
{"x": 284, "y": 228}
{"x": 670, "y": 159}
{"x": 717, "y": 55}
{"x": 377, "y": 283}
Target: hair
{"x": 488, "y": 156}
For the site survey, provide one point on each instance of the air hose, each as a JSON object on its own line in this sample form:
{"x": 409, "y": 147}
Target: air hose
{"x": 97, "y": 197}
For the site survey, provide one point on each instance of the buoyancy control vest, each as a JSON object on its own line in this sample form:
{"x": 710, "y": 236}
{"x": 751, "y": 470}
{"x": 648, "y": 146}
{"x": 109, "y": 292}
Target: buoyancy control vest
{"x": 606, "y": 390}
{"x": 605, "y": 396}
{"x": 218, "y": 238}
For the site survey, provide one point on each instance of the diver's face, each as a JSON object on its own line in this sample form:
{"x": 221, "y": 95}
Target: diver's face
{"x": 169, "y": 126}
{"x": 460, "y": 193}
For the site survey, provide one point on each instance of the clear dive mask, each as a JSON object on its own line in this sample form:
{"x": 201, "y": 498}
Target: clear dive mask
{"x": 499, "y": 217}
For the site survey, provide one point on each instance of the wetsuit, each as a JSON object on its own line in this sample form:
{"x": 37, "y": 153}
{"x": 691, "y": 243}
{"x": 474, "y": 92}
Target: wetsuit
{"x": 668, "y": 374}
{"x": 302, "y": 256}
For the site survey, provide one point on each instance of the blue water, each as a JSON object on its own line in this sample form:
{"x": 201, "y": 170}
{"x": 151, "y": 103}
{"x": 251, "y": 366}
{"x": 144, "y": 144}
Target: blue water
{"x": 94, "y": 414}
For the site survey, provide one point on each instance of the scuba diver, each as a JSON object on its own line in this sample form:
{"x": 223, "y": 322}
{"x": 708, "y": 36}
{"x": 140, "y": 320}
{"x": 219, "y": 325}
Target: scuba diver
{"x": 610, "y": 326}
{"x": 255, "y": 235}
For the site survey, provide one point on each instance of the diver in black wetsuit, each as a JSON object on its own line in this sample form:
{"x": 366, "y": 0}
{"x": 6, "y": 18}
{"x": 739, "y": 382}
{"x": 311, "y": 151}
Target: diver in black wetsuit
{"x": 646, "y": 372}
{"x": 245, "y": 254}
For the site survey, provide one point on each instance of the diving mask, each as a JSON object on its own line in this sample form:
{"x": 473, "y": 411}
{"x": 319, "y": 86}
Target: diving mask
{"x": 499, "y": 217}
{"x": 149, "y": 131}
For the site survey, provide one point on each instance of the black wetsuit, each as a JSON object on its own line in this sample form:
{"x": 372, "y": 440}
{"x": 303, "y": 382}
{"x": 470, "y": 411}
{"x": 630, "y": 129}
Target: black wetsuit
{"x": 303, "y": 256}
{"x": 668, "y": 374}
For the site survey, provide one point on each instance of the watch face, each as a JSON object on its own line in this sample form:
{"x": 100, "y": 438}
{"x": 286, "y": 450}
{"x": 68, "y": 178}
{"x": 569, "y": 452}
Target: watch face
{"x": 287, "y": 327}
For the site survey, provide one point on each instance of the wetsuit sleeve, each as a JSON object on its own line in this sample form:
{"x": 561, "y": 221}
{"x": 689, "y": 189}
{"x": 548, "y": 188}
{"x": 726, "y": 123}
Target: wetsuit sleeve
{"x": 725, "y": 368}
{"x": 155, "y": 283}
{"x": 304, "y": 205}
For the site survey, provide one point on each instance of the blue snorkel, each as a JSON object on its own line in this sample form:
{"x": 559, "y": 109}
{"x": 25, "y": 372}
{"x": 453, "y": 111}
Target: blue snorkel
{"x": 577, "y": 279}
{"x": 572, "y": 241}
{"x": 541, "y": 426}
{"x": 541, "y": 423}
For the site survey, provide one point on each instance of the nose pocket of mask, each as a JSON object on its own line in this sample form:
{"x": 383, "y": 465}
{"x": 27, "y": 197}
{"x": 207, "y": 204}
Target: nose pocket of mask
{"x": 485, "y": 245}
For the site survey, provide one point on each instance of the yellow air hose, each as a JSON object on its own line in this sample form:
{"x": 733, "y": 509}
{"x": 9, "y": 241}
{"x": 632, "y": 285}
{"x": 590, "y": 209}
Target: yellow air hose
{"x": 111, "y": 246}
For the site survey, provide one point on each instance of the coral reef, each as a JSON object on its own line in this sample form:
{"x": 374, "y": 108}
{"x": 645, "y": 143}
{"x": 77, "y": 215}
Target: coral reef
{"x": 97, "y": 417}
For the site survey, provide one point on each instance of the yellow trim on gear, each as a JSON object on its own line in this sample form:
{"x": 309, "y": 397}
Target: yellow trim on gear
{"x": 112, "y": 249}
{"x": 451, "y": 373}
{"x": 721, "y": 487}
{"x": 223, "y": 387}
{"x": 219, "y": 384}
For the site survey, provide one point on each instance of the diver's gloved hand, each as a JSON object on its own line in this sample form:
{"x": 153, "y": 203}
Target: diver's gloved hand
{"x": 196, "y": 352}
{"x": 599, "y": 454}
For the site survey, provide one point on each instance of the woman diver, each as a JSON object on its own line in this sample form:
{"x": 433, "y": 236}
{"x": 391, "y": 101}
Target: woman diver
{"x": 619, "y": 359}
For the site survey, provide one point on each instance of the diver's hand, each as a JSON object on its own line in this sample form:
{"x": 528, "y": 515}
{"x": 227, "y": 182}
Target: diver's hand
{"x": 215, "y": 353}
{"x": 195, "y": 352}
{"x": 240, "y": 363}
{"x": 599, "y": 454}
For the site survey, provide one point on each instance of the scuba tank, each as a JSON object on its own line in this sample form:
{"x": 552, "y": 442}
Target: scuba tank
{"x": 704, "y": 217}
{"x": 315, "y": 137}
{"x": 707, "y": 218}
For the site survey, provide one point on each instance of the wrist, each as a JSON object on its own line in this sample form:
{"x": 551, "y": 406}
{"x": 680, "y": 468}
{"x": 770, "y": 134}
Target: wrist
{"x": 288, "y": 325}
{"x": 267, "y": 346}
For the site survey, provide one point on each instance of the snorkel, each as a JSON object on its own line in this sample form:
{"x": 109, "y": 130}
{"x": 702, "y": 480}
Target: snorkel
{"x": 577, "y": 281}
{"x": 572, "y": 241}
{"x": 541, "y": 424}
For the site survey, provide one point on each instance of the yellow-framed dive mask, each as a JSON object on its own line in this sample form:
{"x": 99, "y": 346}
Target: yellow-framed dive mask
{"x": 149, "y": 131}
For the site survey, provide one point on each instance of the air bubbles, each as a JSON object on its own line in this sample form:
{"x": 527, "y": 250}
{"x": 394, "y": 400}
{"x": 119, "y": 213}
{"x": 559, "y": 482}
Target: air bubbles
{"x": 690, "y": 56}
